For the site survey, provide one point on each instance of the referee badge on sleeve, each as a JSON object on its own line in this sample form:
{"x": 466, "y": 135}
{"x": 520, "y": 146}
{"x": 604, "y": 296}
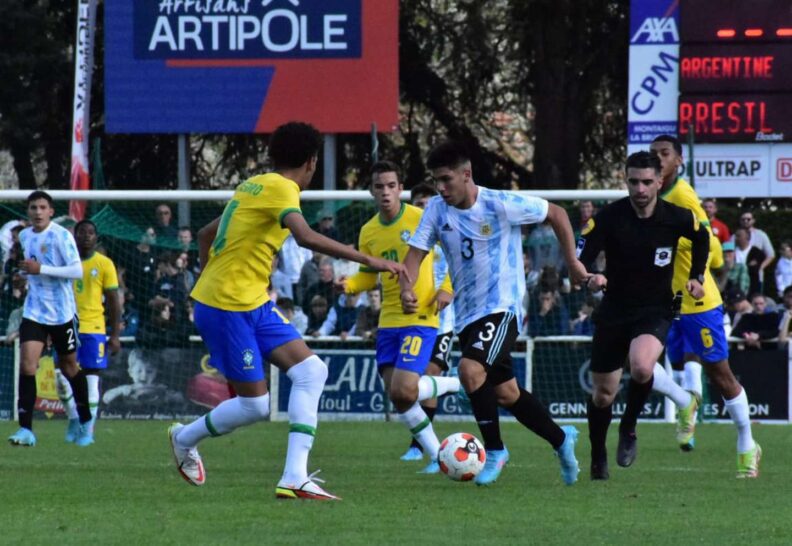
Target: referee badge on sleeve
{"x": 663, "y": 256}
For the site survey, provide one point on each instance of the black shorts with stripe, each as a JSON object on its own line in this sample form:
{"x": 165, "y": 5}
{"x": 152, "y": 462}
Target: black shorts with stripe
{"x": 489, "y": 341}
{"x": 64, "y": 337}
{"x": 441, "y": 352}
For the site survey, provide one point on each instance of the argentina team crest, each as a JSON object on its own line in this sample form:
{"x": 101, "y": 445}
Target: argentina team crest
{"x": 486, "y": 229}
{"x": 663, "y": 256}
{"x": 405, "y": 235}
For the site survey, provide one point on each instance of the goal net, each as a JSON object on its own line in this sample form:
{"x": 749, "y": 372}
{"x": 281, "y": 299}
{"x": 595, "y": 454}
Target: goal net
{"x": 163, "y": 369}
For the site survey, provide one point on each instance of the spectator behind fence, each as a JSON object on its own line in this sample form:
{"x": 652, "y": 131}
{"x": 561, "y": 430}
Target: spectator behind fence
{"x": 341, "y": 319}
{"x": 719, "y": 229}
{"x": 751, "y": 256}
{"x": 368, "y": 316}
{"x": 733, "y": 276}
{"x": 758, "y": 239}
{"x": 325, "y": 284}
{"x": 138, "y": 269}
{"x": 316, "y": 315}
{"x": 786, "y": 317}
{"x": 325, "y": 224}
{"x": 163, "y": 223}
{"x": 757, "y": 325}
{"x": 9, "y": 235}
{"x": 550, "y": 318}
{"x": 291, "y": 259}
{"x": 737, "y": 304}
{"x": 783, "y": 268}
{"x": 293, "y": 314}
{"x": 309, "y": 275}
{"x": 582, "y": 325}
{"x": 585, "y": 213}
{"x": 545, "y": 250}
{"x": 16, "y": 302}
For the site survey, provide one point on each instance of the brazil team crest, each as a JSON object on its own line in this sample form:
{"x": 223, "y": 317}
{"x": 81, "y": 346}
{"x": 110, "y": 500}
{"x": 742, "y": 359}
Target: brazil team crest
{"x": 94, "y": 272}
{"x": 405, "y": 235}
{"x": 247, "y": 358}
{"x": 486, "y": 229}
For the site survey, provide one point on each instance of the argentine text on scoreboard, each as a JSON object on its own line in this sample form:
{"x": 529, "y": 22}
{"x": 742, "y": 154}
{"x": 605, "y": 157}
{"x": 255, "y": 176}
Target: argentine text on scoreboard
{"x": 243, "y": 66}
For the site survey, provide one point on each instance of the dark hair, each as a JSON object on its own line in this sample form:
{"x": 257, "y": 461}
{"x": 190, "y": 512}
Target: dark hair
{"x": 185, "y": 228}
{"x": 674, "y": 141}
{"x": 788, "y": 290}
{"x": 448, "y": 154}
{"x": 384, "y": 166}
{"x": 423, "y": 190}
{"x": 286, "y": 304}
{"x": 293, "y": 144}
{"x": 82, "y": 223}
{"x": 38, "y": 194}
{"x": 644, "y": 160}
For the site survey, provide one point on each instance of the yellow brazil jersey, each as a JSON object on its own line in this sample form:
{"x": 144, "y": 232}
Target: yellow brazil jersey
{"x": 99, "y": 274}
{"x": 683, "y": 195}
{"x": 250, "y": 233}
{"x": 389, "y": 240}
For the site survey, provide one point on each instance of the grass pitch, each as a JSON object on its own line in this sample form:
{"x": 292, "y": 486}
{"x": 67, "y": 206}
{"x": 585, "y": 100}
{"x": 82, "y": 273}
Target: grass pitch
{"x": 125, "y": 490}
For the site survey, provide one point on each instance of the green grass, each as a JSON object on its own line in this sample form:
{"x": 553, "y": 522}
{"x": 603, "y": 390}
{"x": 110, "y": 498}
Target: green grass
{"x": 124, "y": 490}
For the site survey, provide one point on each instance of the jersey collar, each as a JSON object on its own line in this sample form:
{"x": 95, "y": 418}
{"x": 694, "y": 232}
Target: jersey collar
{"x": 395, "y": 219}
{"x": 668, "y": 190}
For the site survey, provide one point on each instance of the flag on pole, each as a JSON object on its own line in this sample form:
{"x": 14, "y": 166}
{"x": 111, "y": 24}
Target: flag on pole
{"x": 83, "y": 68}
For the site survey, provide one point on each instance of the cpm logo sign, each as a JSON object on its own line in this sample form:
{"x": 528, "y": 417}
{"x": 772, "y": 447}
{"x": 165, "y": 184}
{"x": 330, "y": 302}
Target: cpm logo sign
{"x": 784, "y": 169}
{"x": 242, "y": 66}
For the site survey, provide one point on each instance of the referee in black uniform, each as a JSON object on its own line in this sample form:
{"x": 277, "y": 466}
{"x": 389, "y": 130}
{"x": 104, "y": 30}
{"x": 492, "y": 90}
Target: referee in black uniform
{"x": 639, "y": 235}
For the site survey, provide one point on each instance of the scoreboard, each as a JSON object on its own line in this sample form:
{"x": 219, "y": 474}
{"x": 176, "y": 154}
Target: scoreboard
{"x": 735, "y": 70}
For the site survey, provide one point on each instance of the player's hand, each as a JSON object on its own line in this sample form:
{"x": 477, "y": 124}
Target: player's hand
{"x": 394, "y": 268}
{"x": 340, "y": 284}
{"x": 409, "y": 301}
{"x": 441, "y": 299}
{"x": 114, "y": 344}
{"x": 577, "y": 273}
{"x": 31, "y": 267}
{"x": 695, "y": 289}
{"x": 597, "y": 282}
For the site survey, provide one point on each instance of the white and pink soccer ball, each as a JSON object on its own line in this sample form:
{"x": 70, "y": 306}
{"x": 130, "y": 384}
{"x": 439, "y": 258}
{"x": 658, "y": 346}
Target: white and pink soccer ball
{"x": 461, "y": 456}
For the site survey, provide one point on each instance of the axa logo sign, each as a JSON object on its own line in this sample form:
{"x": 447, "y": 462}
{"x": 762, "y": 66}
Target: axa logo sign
{"x": 784, "y": 169}
{"x": 656, "y": 30}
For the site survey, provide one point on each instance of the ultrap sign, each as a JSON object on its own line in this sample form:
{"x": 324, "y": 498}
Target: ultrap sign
{"x": 247, "y": 66}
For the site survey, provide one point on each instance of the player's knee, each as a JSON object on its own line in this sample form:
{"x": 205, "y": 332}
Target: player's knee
{"x": 68, "y": 367}
{"x": 256, "y": 408}
{"x": 309, "y": 372}
{"x": 602, "y": 396}
{"x": 403, "y": 394}
{"x": 507, "y": 394}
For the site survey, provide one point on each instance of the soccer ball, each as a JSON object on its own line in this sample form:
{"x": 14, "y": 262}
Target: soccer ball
{"x": 461, "y": 456}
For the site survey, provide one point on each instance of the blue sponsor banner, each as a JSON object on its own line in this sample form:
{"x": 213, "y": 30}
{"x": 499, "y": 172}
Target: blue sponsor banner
{"x": 354, "y": 388}
{"x": 246, "y": 29}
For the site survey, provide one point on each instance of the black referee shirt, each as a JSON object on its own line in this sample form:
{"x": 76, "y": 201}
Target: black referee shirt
{"x": 639, "y": 254}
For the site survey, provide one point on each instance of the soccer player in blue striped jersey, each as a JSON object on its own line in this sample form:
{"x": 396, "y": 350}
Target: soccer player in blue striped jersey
{"x": 479, "y": 230}
{"x": 51, "y": 262}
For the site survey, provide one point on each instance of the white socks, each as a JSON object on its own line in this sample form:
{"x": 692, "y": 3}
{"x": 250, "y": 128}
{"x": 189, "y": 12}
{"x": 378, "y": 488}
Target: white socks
{"x": 666, "y": 386}
{"x": 308, "y": 379}
{"x": 691, "y": 379}
{"x": 432, "y": 386}
{"x": 66, "y": 395}
{"x": 93, "y": 393}
{"x": 227, "y": 416}
{"x": 421, "y": 428}
{"x": 738, "y": 409}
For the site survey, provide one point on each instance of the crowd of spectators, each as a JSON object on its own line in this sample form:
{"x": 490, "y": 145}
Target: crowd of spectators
{"x": 156, "y": 280}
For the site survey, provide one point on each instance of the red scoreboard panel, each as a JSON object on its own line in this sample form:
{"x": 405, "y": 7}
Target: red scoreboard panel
{"x": 735, "y": 70}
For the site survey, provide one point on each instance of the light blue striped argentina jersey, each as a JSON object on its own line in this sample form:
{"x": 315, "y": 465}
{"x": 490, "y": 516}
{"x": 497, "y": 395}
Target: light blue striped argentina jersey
{"x": 483, "y": 247}
{"x": 440, "y": 271}
{"x": 50, "y": 300}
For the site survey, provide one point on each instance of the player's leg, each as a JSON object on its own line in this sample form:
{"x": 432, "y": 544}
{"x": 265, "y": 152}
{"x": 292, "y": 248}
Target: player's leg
{"x": 32, "y": 337}
{"x": 66, "y": 396}
{"x": 646, "y": 347}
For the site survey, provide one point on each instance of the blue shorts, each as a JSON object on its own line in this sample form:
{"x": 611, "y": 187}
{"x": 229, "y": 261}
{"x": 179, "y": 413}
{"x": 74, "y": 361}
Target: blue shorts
{"x": 240, "y": 342}
{"x": 699, "y": 333}
{"x": 407, "y": 348}
{"x": 92, "y": 352}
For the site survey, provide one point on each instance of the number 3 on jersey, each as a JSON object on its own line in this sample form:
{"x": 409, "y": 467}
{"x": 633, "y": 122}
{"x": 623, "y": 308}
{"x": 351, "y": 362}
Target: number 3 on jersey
{"x": 225, "y": 219}
{"x": 467, "y": 247}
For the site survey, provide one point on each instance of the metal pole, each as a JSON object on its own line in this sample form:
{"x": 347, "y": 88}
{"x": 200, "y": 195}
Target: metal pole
{"x": 691, "y": 165}
{"x": 329, "y": 162}
{"x": 183, "y": 180}
{"x": 374, "y": 144}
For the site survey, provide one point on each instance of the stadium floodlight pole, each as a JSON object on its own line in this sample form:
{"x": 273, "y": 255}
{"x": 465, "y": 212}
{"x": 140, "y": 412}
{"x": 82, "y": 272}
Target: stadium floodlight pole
{"x": 183, "y": 177}
{"x": 329, "y": 162}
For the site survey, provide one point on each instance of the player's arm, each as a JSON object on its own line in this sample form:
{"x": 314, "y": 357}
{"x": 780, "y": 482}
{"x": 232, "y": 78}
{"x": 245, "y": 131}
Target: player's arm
{"x": 206, "y": 236}
{"x": 444, "y": 295}
{"x": 700, "y": 238}
{"x": 412, "y": 264}
{"x": 590, "y": 244}
{"x": 308, "y": 238}
{"x": 365, "y": 279}
{"x": 71, "y": 271}
{"x": 559, "y": 220}
{"x": 113, "y": 304}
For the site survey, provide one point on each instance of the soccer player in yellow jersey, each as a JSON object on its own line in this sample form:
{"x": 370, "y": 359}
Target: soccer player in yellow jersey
{"x": 240, "y": 325}
{"x": 699, "y": 335}
{"x": 404, "y": 342}
{"x": 95, "y": 291}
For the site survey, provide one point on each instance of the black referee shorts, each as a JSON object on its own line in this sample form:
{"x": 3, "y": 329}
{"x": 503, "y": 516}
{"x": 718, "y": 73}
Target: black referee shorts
{"x": 612, "y": 338}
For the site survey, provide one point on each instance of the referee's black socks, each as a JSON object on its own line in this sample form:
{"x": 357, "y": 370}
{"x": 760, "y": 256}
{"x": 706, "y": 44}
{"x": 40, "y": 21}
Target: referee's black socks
{"x": 79, "y": 385}
{"x": 534, "y": 416}
{"x": 26, "y": 401}
{"x": 637, "y": 395}
{"x": 484, "y": 404}
{"x": 599, "y": 419}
